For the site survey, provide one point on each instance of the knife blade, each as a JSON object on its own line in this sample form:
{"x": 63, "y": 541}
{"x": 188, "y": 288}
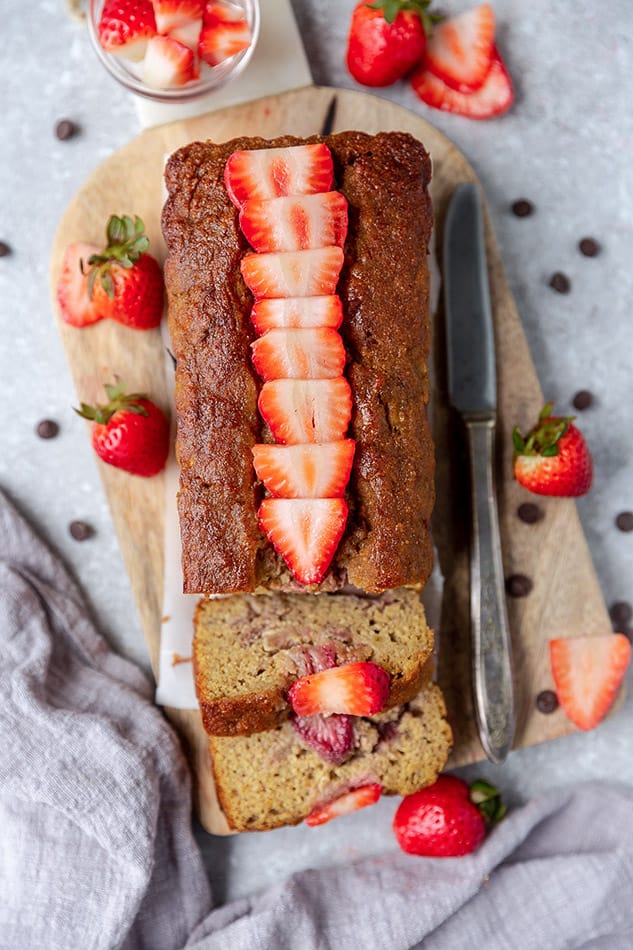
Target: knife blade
{"x": 472, "y": 389}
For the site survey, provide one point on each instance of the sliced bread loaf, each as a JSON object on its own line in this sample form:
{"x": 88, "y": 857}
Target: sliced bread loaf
{"x": 248, "y": 650}
{"x": 272, "y": 779}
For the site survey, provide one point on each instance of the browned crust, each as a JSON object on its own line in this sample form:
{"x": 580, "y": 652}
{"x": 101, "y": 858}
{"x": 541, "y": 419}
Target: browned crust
{"x": 384, "y": 289}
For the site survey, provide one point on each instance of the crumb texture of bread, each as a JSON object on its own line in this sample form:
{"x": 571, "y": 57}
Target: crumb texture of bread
{"x": 384, "y": 288}
{"x": 248, "y": 650}
{"x": 270, "y": 779}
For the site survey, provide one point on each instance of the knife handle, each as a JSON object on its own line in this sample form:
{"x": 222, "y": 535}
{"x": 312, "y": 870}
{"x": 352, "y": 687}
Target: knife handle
{"x": 491, "y": 651}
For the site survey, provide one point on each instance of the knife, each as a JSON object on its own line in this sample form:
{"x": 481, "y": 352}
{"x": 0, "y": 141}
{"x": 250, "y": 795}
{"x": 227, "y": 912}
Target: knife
{"x": 472, "y": 386}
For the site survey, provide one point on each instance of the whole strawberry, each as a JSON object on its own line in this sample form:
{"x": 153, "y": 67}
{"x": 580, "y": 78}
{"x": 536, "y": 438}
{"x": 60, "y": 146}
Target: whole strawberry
{"x": 553, "y": 458}
{"x": 387, "y": 38}
{"x": 129, "y": 432}
{"x": 124, "y": 282}
{"x": 447, "y": 819}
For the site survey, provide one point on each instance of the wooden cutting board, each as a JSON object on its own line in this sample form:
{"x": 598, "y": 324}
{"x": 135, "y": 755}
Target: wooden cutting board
{"x": 565, "y": 600}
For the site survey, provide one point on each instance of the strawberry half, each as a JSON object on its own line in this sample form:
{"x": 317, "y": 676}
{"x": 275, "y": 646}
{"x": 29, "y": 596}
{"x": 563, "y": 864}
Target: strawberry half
{"x": 331, "y": 737}
{"x": 299, "y": 354}
{"x": 354, "y": 689}
{"x": 73, "y": 296}
{"x": 171, "y": 14}
{"x": 295, "y": 223}
{"x": 298, "y": 312}
{"x": 386, "y": 39}
{"x": 587, "y": 672}
{"x": 125, "y": 26}
{"x": 345, "y": 804}
{"x": 293, "y": 273}
{"x": 305, "y": 471}
{"x": 460, "y": 50}
{"x": 225, "y": 33}
{"x": 553, "y": 458}
{"x": 275, "y": 172}
{"x": 168, "y": 63}
{"x": 305, "y": 532}
{"x": 494, "y": 97}
{"x": 306, "y": 410}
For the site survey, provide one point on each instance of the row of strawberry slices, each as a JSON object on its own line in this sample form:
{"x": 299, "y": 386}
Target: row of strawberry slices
{"x": 297, "y": 226}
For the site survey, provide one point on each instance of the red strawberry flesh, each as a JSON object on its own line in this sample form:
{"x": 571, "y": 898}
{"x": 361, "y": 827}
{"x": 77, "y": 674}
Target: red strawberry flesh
{"x": 224, "y": 33}
{"x": 299, "y": 354}
{"x": 75, "y": 304}
{"x": 294, "y": 273}
{"x": 273, "y": 173}
{"x": 355, "y": 689}
{"x": 306, "y": 410}
{"x": 331, "y": 737}
{"x": 297, "y": 312}
{"x": 295, "y": 223}
{"x": 305, "y": 471}
{"x": 345, "y": 804}
{"x": 587, "y": 672}
{"x": 460, "y": 50}
{"x": 493, "y": 98}
{"x": 171, "y": 14}
{"x": 168, "y": 63}
{"x": 125, "y": 27}
{"x": 305, "y": 532}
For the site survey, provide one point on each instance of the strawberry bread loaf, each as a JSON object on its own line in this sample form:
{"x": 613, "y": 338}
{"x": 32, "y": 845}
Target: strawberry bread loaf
{"x": 297, "y": 284}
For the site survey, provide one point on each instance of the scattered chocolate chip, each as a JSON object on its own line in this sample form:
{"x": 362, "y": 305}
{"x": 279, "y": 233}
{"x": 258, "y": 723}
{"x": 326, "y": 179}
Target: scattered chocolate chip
{"x": 547, "y": 701}
{"x": 624, "y": 521}
{"x": 582, "y": 400}
{"x": 529, "y": 512}
{"x": 589, "y": 247}
{"x": 560, "y": 282}
{"x": 518, "y": 585}
{"x": 47, "y": 429}
{"x": 5, "y": 249}
{"x": 80, "y": 530}
{"x": 66, "y": 129}
{"x": 522, "y": 208}
{"x": 620, "y": 613}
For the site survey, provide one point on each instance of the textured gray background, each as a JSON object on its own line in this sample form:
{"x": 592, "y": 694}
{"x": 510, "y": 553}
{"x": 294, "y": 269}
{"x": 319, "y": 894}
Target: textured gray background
{"x": 566, "y": 145}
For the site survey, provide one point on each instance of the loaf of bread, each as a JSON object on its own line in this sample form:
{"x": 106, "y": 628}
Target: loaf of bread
{"x": 249, "y": 649}
{"x": 271, "y": 779}
{"x": 383, "y": 288}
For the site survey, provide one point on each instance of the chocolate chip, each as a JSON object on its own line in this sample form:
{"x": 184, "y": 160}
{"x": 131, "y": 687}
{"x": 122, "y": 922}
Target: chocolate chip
{"x": 582, "y": 399}
{"x": 560, "y": 282}
{"x": 620, "y": 613}
{"x": 5, "y": 249}
{"x": 589, "y": 247}
{"x": 66, "y": 129}
{"x": 547, "y": 701}
{"x": 624, "y": 521}
{"x": 47, "y": 429}
{"x": 518, "y": 585}
{"x": 80, "y": 530}
{"x": 529, "y": 512}
{"x": 522, "y": 208}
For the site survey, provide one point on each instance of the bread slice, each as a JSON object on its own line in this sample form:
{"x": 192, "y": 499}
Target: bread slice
{"x": 271, "y": 779}
{"x": 248, "y": 650}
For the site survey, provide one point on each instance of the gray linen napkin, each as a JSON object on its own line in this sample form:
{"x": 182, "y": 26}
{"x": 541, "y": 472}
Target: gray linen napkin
{"x": 96, "y": 849}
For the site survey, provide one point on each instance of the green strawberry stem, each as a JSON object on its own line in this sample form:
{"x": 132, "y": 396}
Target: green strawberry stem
{"x": 118, "y": 400}
{"x": 125, "y": 242}
{"x": 544, "y": 437}
{"x": 391, "y": 9}
{"x": 488, "y": 800}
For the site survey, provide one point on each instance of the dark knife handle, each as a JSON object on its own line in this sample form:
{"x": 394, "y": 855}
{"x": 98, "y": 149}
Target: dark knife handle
{"x": 491, "y": 651}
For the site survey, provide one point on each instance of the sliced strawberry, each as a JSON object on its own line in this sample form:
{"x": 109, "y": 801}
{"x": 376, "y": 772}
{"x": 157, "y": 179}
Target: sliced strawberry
{"x": 299, "y": 312}
{"x": 295, "y": 223}
{"x": 171, "y": 14}
{"x": 587, "y": 672}
{"x": 275, "y": 172}
{"x": 75, "y": 303}
{"x": 306, "y": 410}
{"x": 223, "y": 10}
{"x": 125, "y": 27}
{"x": 305, "y": 532}
{"x": 460, "y": 49}
{"x": 188, "y": 34}
{"x": 356, "y": 689}
{"x": 494, "y": 97}
{"x": 305, "y": 471}
{"x": 294, "y": 273}
{"x": 299, "y": 354}
{"x": 345, "y": 804}
{"x": 222, "y": 34}
{"x": 167, "y": 63}
{"x": 331, "y": 737}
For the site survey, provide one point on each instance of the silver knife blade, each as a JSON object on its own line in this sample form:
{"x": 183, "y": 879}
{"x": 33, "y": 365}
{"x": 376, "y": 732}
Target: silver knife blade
{"x": 472, "y": 380}
{"x": 473, "y": 392}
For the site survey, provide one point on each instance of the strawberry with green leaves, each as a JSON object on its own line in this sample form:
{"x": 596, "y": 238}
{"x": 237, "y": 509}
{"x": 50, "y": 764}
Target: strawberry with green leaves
{"x": 130, "y": 432}
{"x": 553, "y": 457}
{"x": 387, "y": 38}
